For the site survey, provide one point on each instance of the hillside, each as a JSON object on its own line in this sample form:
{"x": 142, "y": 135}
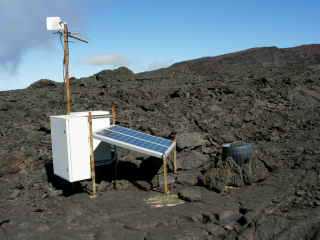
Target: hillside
{"x": 267, "y": 96}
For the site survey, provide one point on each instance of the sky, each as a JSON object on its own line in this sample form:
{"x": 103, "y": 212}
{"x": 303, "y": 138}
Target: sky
{"x": 144, "y": 34}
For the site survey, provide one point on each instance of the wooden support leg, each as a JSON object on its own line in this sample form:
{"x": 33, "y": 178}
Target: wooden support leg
{"x": 165, "y": 175}
{"x": 175, "y": 156}
{"x": 175, "y": 160}
{"x": 92, "y": 160}
{"x": 114, "y": 113}
{"x": 115, "y": 176}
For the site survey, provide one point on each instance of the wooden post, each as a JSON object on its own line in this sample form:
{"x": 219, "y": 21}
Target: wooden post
{"x": 175, "y": 155}
{"x": 92, "y": 160}
{"x": 165, "y": 175}
{"x": 114, "y": 113}
{"x": 66, "y": 67}
{"x": 115, "y": 176}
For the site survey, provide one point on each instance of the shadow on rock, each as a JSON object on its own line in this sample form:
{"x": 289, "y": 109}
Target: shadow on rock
{"x": 138, "y": 175}
{"x": 61, "y": 184}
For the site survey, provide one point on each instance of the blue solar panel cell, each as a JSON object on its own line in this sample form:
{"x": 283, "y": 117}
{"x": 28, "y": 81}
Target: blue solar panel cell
{"x": 136, "y": 138}
{"x": 141, "y": 135}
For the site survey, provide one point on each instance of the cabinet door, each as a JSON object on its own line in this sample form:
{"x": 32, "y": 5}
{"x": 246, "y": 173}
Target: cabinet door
{"x": 79, "y": 148}
{"x": 60, "y": 152}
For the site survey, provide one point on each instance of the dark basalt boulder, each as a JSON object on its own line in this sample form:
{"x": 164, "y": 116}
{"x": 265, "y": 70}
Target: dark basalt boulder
{"x": 44, "y": 83}
{"x": 119, "y": 74}
{"x": 190, "y": 140}
{"x": 190, "y": 194}
{"x": 191, "y": 160}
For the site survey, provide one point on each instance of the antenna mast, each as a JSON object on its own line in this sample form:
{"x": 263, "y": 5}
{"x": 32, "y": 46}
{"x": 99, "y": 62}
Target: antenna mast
{"x": 55, "y": 24}
{"x": 66, "y": 67}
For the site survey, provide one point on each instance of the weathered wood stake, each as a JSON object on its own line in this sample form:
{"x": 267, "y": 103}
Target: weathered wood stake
{"x": 66, "y": 67}
{"x": 114, "y": 113}
{"x": 92, "y": 160}
{"x": 165, "y": 175}
{"x": 175, "y": 155}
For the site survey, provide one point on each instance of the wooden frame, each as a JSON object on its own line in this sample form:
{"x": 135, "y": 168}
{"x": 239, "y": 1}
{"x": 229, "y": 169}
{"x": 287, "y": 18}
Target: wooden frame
{"x": 172, "y": 154}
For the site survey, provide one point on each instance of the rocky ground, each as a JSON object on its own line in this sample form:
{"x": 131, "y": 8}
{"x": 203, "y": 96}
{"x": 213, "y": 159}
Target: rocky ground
{"x": 265, "y": 96}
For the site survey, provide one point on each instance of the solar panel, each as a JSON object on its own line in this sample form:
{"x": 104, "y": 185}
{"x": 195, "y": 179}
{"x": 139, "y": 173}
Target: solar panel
{"x": 137, "y": 134}
{"x": 135, "y": 140}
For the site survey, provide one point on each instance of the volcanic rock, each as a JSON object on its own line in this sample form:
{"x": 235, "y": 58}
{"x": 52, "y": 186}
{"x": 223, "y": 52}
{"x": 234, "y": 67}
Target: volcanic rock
{"x": 15, "y": 194}
{"x": 190, "y": 194}
{"x": 267, "y": 96}
{"x": 44, "y": 83}
{"x": 191, "y": 160}
{"x": 188, "y": 177}
{"x": 191, "y": 139}
{"x": 228, "y": 217}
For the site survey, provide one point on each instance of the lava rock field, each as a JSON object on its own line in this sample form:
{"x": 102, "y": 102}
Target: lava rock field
{"x": 268, "y": 96}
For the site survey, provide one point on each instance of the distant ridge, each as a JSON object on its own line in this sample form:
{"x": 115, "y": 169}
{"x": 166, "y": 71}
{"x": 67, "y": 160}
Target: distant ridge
{"x": 253, "y": 57}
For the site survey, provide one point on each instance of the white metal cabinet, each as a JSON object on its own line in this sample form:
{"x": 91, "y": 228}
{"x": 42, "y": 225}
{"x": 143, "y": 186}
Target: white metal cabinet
{"x": 70, "y": 144}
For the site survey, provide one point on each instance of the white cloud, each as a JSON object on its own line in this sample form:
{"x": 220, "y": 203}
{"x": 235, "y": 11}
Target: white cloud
{"x": 23, "y": 26}
{"x": 114, "y": 60}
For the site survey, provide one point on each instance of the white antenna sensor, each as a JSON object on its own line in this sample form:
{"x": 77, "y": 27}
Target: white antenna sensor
{"x": 54, "y": 24}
